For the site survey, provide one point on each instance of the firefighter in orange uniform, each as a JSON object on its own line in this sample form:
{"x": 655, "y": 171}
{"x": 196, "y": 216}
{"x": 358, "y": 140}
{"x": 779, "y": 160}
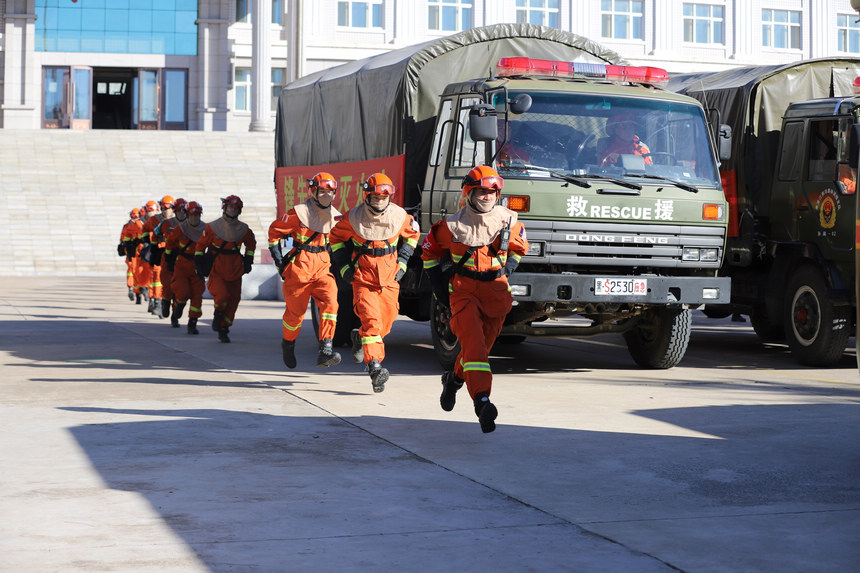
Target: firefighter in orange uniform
{"x": 126, "y": 237}
{"x": 622, "y": 129}
{"x": 159, "y": 293}
{"x": 219, "y": 257}
{"x": 306, "y": 268}
{"x": 161, "y": 232}
{"x": 179, "y": 254}
{"x": 371, "y": 246}
{"x": 485, "y": 243}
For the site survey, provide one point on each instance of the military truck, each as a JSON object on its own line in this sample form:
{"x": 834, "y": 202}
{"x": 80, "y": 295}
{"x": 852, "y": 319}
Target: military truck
{"x": 788, "y": 170}
{"x": 627, "y": 244}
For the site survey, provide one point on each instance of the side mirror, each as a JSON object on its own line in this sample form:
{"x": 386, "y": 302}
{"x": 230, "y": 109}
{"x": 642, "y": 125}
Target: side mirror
{"x": 482, "y": 123}
{"x": 854, "y": 145}
{"x": 725, "y": 143}
{"x": 521, "y": 104}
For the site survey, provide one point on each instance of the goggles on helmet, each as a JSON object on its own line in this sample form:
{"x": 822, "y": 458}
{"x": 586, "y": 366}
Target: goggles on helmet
{"x": 490, "y": 183}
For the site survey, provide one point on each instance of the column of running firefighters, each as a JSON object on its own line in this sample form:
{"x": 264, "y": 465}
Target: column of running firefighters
{"x": 467, "y": 256}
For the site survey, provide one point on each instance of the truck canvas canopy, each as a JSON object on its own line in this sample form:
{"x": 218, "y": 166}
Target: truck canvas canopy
{"x": 386, "y": 105}
{"x": 752, "y": 101}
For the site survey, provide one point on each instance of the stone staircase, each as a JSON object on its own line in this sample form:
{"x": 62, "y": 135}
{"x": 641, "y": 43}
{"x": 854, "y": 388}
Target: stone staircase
{"x": 65, "y": 195}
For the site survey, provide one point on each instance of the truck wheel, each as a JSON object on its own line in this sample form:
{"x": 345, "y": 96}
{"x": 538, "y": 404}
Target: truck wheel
{"x": 346, "y": 319}
{"x": 764, "y": 328}
{"x": 817, "y": 331}
{"x": 660, "y": 339}
{"x": 445, "y": 343}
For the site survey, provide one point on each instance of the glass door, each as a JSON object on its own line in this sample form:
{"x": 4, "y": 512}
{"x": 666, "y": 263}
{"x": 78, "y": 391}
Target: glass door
{"x": 175, "y": 98}
{"x": 147, "y": 100}
{"x": 55, "y": 99}
{"x": 81, "y": 92}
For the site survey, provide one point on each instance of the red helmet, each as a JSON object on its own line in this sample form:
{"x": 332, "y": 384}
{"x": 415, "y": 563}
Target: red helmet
{"x": 151, "y": 206}
{"x": 323, "y": 180}
{"x": 135, "y": 213}
{"x": 193, "y": 208}
{"x": 232, "y": 200}
{"x": 378, "y": 184}
{"x": 482, "y": 177}
{"x": 180, "y": 204}
{"x": 167, "y": 202}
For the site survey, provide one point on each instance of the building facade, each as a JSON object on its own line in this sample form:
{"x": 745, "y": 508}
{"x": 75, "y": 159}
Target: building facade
{"x": 206, "y": 65}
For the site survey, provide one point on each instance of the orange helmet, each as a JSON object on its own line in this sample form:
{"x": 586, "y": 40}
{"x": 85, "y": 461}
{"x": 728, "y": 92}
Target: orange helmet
{"x": 232, "y": 200}
{"x": 167, "y": 202}
{"x": 378, "y": 184}
{"x": 135, "y": 213}
{"x": 193, "y": 208}
{"x": 482, "y": 177}
{"x": 323, "y": 180}
{"x": 151, "y": 206}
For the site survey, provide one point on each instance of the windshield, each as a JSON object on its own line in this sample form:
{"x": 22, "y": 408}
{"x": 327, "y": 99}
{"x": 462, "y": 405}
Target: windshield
{"x": 622, "y": 137}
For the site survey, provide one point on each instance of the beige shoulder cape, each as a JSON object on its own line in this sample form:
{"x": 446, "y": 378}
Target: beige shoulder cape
{"x": 315, "y": 218}
{"x": 478, "y": 229}
{"x": 193, "y": 233}
{"x": 230, "y": 230}
{"x": 373, "y": 226}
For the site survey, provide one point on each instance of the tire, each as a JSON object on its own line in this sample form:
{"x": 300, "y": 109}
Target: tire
{"x": 445, "y": 343}
{"x": 764, "y": 328}
{"x": 346, "y": 319}
{"x": 816, "y": 330}
{"x": 661, "y": 337}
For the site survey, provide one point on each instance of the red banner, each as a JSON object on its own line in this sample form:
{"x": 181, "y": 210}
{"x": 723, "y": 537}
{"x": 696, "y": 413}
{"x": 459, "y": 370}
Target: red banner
{"x": 291, "y": 185}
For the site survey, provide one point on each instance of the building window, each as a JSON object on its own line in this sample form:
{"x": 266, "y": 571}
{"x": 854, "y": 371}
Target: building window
{"x": 780, "y": 29}
{"x": 243, "y": 11}
{"x": 704, "y": 23}
{"x": 277, "y": 83}
{"x": 352, "y": 14}
{"x": 621, "y": 19}
{"x": 242, "y": 88}
{"x": 540, "y": 12}
{"x": 449, "y": 15}
{"x": 848, "y": 32}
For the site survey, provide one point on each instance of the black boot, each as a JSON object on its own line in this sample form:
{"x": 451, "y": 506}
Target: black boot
{"x": 137, "y": 298}
{"x": 131, "y": 294}
{"x": 145, "y": 292}
{"x": 217, "y": 319}
{"x": 327, "y": 356}
{"x": 192, "y": 326}
{"x": 450, "y": 384}
{"x": 486, "y": 411}
{"x": 177, "y": 314}
{"x": 222, "y": 334}
{"x": 165, "y": 307}
{"x": 357, "y": 349}
{"x": 150, "y": 308}
{"x": 378, "y": 375}
{"x": 288, "y": 352}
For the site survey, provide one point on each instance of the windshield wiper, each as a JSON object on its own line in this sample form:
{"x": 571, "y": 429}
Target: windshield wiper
{"x": 615, "y": 180}
{"x": 569, "y": 178}
{"x": 681, "y": 184}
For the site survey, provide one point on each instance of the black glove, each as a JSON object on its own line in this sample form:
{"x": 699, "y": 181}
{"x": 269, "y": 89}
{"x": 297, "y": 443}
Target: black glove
{"x": 200, "y": 265}
{"x": 120, "y": 249}
{"x": 248, "y": 261}
{"x": 170, "y": 262}
{"x": 511, "y": 265}
{"x": 399, "y": 275}
{"x": 439, "y": 284}
{"x": 346, "y": 273}
{"x": 276, "y": 256}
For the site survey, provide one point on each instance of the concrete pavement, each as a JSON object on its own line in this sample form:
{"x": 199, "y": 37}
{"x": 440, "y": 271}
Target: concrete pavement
{"x": 130, "y": 446}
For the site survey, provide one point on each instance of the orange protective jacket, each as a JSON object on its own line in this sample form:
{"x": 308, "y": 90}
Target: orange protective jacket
{"x": 304, "y": 266}
{"x": 228, "y": 263}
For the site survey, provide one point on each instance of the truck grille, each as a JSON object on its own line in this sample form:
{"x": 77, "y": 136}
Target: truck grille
{"x": 631, "y": 245}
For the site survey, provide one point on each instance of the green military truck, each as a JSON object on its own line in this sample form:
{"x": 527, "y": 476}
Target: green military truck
{"x": 627, "y": 244}
{"x": 789, "y": 173}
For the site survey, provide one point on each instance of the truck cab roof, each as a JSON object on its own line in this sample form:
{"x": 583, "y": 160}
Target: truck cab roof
{"x": 824, "y": 107}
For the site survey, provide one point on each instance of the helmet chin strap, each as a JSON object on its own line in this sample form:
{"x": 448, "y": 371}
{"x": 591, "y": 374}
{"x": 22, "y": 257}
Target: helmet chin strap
{"x": 374, "y": 209}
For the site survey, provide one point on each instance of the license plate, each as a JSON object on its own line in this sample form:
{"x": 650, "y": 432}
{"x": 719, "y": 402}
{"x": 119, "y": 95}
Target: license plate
{"x": 620, "y": 287}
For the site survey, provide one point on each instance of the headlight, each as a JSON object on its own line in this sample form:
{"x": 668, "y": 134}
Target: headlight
{"x": 520, "y": 290}
{"x": 709, "y": 255}
{"x": 690, "y": 254}
{"x": 536, "y": 249}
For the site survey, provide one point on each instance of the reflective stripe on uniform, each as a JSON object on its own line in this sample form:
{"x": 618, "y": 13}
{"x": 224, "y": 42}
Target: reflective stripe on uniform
{"x": 476, "y": 366}
{"x": 329, "y": 316}
{"x": 371, "y": 339}
{"x": 288, "y": 327}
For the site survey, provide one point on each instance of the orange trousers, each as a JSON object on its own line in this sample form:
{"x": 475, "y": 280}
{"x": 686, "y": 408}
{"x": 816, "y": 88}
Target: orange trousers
{"x": 226, "y": 296}
{"x": 142, "y": 274}
{"x": 129, "y": 273}
{"x": 296, "y": 297}
{"x": 377, "y": 307}
{"x": 468, "y": 310}
{"x": 187, "y": 286}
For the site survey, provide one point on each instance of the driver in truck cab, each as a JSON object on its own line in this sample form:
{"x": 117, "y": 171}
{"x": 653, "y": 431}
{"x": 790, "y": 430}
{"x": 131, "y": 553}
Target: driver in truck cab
{"x": 484, "y": 242}
{"x": 623, "y": 140}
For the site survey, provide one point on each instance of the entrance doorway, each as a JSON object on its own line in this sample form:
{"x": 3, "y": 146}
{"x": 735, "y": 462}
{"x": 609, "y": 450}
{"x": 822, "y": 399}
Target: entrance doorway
{"x": 77, "y": 97}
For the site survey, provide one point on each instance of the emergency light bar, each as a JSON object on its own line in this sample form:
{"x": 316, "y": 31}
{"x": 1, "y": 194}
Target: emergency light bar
{"x": 857, "y": 86}
{"x": 522, "y": 66}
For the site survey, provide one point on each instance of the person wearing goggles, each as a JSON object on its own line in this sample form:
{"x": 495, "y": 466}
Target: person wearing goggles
{"x": 485, "y": 242}
{"x": 179, "y": 253}
{"x": 159, "y": 286}
{"x": 306, "y": 268}
{"x": 370, "y": 247}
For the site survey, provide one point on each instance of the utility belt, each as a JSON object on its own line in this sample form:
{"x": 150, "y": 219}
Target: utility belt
{"x": 223, "y": 251}
{"x": 485, "y": 276}
{"x": 188, "y": 256}
{"x": 377, "y": 252}
{"x": 309, "y": 248}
